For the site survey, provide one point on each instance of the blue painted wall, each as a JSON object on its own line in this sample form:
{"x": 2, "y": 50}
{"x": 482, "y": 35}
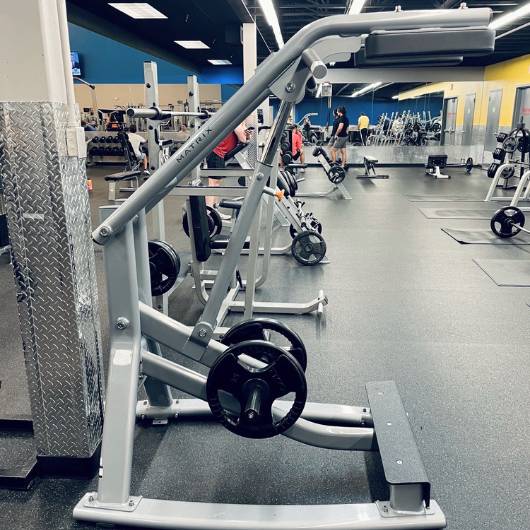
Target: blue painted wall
{"x": 104, "y": 60}
{"x": 354, "y": 106}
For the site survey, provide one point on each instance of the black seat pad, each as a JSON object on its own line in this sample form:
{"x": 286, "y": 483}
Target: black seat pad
{"x": 220, "y": 242}
{"x": 233, "y": 205}
{"x": 371, "y": 159}
{"x": 123, "y": 175}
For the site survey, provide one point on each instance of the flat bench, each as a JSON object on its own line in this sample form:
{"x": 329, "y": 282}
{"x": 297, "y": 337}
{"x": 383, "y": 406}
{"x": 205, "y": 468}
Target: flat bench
{"x": 369, "y": 169}
{"x": 410, "y": 489}
{"x": 123, "y": 176}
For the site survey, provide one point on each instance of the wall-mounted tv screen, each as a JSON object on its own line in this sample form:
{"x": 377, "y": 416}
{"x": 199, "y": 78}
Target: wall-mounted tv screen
{"x": 76, "y": 65}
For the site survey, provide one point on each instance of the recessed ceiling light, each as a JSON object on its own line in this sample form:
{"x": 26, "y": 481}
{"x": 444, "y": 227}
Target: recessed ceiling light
{"x": 192, "y": 44}
{"x": 138, "y": 10}
{"x": 219, "y": 62}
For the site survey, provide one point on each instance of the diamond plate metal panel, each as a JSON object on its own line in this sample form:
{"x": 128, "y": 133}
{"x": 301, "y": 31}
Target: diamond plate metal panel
{"x": 54, "y": 267}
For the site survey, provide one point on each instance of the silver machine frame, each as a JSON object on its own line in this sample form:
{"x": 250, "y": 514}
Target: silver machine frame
{"x": 137, "y": 329}
{"x": 522, "y": 192}
{"x": 255, "y": 278}
{"x": 343, "y": 192}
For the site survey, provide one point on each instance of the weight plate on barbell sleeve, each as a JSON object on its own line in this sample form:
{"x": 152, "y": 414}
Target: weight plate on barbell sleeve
{"x": 509, "y": 144}
{"x": 308, "y": 248}
{"x": 164, "y": 267}
{"x": 507, "y": 222}
{"x": 336, "y": 174}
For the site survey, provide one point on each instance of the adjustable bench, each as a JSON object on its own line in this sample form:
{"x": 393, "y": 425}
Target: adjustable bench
{"x": 123, "y": 176}
{"x": 369, "y": 169}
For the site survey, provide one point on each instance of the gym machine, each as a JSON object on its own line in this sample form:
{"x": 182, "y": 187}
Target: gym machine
{"x": 247, "y": 374}
{"x": 369, "y": 169}
{"x": 335, "y": 173}
{"x": 512, "y": 155}
{"x": 435, "y": 163}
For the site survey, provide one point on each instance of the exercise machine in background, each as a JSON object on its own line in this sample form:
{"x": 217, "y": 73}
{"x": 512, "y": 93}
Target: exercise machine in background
{"x": 435, "y": 164}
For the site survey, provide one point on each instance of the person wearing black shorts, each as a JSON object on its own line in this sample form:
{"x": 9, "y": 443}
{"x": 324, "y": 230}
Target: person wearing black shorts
{"x": 341, "y": 138}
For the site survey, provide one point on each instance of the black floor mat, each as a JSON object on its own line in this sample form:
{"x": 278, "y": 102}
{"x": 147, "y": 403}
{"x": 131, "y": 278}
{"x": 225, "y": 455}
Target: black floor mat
{"x": 442, "y": 198}
{"x": 456, "y": 213}
{"x": 483, "y": 237}
{"x": 507, "y": 272}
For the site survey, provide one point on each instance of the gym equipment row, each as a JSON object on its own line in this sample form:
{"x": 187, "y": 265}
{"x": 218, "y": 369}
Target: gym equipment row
{"x": 406, "y": 128}
{"x": 511, "y": 163}
{"x": 334, "y": 171}
{"x": 247, "y": 380}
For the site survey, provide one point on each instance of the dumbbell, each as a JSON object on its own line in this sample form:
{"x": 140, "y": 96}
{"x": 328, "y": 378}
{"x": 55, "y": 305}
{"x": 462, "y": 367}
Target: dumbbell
{"x": 508, "y": 222}
{"x": 287, "y": 158}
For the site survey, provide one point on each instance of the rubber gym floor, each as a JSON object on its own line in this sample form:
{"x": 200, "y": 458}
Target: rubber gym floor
{"x": 406, "y": 302}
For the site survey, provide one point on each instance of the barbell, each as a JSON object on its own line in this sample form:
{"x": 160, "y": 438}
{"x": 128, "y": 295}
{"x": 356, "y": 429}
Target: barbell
{"x": 154, "y": 113}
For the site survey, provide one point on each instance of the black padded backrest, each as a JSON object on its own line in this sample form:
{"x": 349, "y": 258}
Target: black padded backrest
{"x": 436, "y": 160}
{"x": 430, "y": 41}
{"x": 199, "y": 225}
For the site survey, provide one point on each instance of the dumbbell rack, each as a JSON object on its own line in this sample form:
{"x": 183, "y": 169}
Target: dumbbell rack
{"x": 101, "y": 150}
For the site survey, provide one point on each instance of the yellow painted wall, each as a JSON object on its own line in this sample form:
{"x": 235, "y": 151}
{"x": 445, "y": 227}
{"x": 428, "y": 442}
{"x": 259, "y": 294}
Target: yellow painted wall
{"x": 508, "y": 76}
{"x": 112, "y": 95}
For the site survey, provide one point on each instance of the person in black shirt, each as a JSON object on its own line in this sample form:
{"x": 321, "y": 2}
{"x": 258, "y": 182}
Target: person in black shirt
{"x": 341, "y": 136}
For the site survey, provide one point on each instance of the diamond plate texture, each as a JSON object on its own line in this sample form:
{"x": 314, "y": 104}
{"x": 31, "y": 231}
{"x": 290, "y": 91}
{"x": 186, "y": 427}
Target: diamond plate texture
{"x": 54, "y": 267}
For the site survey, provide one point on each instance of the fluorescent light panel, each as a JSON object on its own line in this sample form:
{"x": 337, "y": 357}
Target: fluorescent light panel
{"x": 356, "y": 7}
{"x": 192, "y": 44}
{"x": 272, "y": 20}
{"x": 138, "y": 10}
{"x": 219, "y": 62}
{"x": 510, "y": 17}
{"x": 366, "y": 89}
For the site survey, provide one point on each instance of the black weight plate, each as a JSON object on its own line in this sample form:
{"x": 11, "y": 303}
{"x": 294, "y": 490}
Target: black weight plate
{"x": 287, "y": 158}
{"x": 508, "y": 172}
{"x": 290, "y": 179}
{"x": 507, "y": 222}
{"x": 509, "y": 144}
{"x": 336, "y": 174}
{"x": 272, "y": 331}
{"x": 215, "y": 223}
{"x": 164, "y": 267}
{"x": 308, "y": 248}
{"x": 216, "y": 219}
{"x": 492, "y": 170}
{"x": 256, "y": 389}
{"x": 499, "y": 154}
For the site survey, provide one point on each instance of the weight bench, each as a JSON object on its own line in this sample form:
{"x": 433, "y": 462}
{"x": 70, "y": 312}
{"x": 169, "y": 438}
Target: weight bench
{"x": 434, "y": 164}
{"x": 369, "y": 169}
{"x": 123, "y": 176}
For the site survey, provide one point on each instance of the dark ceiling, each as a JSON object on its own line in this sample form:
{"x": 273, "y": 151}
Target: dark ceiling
{"x": 295, "y": 14}
{"x": 217, "y": 23}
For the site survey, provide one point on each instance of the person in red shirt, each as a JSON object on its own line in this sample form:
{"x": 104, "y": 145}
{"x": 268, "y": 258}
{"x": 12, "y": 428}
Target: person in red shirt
{"x": 297, "y": 145}
{"x": 216, "y": 159}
